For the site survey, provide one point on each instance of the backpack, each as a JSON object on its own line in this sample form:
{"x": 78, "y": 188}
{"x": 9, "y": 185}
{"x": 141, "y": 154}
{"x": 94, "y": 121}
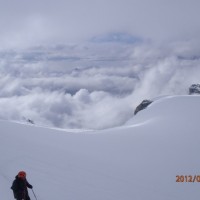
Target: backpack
{"x": 13, "y": 188}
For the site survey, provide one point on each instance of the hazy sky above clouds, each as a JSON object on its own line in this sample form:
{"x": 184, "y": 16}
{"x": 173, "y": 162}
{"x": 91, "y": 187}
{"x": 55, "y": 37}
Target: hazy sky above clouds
{"x": 26, "y": 22}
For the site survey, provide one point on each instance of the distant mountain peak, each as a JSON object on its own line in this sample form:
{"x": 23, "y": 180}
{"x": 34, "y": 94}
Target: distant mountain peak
{"x": 116, "y": 37}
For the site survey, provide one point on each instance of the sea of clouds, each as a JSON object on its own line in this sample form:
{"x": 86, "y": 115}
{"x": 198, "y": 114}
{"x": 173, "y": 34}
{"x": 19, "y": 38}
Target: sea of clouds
{"x": 95, "y": 85}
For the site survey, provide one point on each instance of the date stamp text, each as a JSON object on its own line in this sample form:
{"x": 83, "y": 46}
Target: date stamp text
{"x": 187, "y": 178}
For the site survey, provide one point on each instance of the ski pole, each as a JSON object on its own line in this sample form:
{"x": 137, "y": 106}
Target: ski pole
{"x": 34, "y": 194}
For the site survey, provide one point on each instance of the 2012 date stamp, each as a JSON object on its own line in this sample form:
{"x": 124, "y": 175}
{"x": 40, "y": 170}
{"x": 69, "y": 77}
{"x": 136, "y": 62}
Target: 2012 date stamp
{"x": 187, "y": 178}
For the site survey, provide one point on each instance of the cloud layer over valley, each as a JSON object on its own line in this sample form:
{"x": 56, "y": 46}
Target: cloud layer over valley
{"x": 88, "y": 64}
{"x": 93, "y": 85}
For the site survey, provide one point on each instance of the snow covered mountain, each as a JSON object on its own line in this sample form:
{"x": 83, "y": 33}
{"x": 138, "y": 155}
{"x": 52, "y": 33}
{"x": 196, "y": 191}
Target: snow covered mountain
{"x": 140, "y": 160}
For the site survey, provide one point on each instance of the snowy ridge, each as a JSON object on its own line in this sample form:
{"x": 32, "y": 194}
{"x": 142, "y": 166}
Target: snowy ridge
{"x": 169, "y": 107}
{"x": 137, "y": 161}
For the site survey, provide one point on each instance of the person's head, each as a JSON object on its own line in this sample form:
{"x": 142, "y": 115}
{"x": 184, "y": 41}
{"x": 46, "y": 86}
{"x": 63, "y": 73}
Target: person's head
{"x": 22, "y": 174}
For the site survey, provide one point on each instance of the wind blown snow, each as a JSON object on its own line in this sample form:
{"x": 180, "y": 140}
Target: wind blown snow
{"x": 95, "y": 85}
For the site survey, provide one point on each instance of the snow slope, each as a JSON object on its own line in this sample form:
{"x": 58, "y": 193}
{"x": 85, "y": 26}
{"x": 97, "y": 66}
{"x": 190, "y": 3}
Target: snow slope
{"x": 138, "y": 161}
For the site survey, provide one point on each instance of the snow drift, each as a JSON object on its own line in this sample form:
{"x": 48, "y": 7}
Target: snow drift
{"x": 137, "y": 161}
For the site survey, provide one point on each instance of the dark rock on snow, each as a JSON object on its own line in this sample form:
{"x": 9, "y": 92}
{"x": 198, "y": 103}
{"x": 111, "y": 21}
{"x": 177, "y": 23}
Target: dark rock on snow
{"x": 142, "y": 106}
{"x": 194, "y": 89}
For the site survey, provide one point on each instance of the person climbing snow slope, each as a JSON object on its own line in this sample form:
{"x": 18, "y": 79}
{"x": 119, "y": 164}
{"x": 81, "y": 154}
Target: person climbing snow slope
{"x": 20, "y": 185}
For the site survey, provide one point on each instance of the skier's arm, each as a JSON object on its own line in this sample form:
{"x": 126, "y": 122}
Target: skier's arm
{"x": 29, "y": 185}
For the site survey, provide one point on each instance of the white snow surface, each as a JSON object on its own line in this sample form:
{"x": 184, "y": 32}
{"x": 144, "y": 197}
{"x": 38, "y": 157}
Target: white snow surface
{"x": 137, "y": 161}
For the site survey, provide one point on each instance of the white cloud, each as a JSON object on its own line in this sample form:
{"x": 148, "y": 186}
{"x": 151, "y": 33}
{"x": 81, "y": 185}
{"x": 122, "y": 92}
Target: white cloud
{"x": 58, "y": 85}
{"x": 98, "y": 89}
